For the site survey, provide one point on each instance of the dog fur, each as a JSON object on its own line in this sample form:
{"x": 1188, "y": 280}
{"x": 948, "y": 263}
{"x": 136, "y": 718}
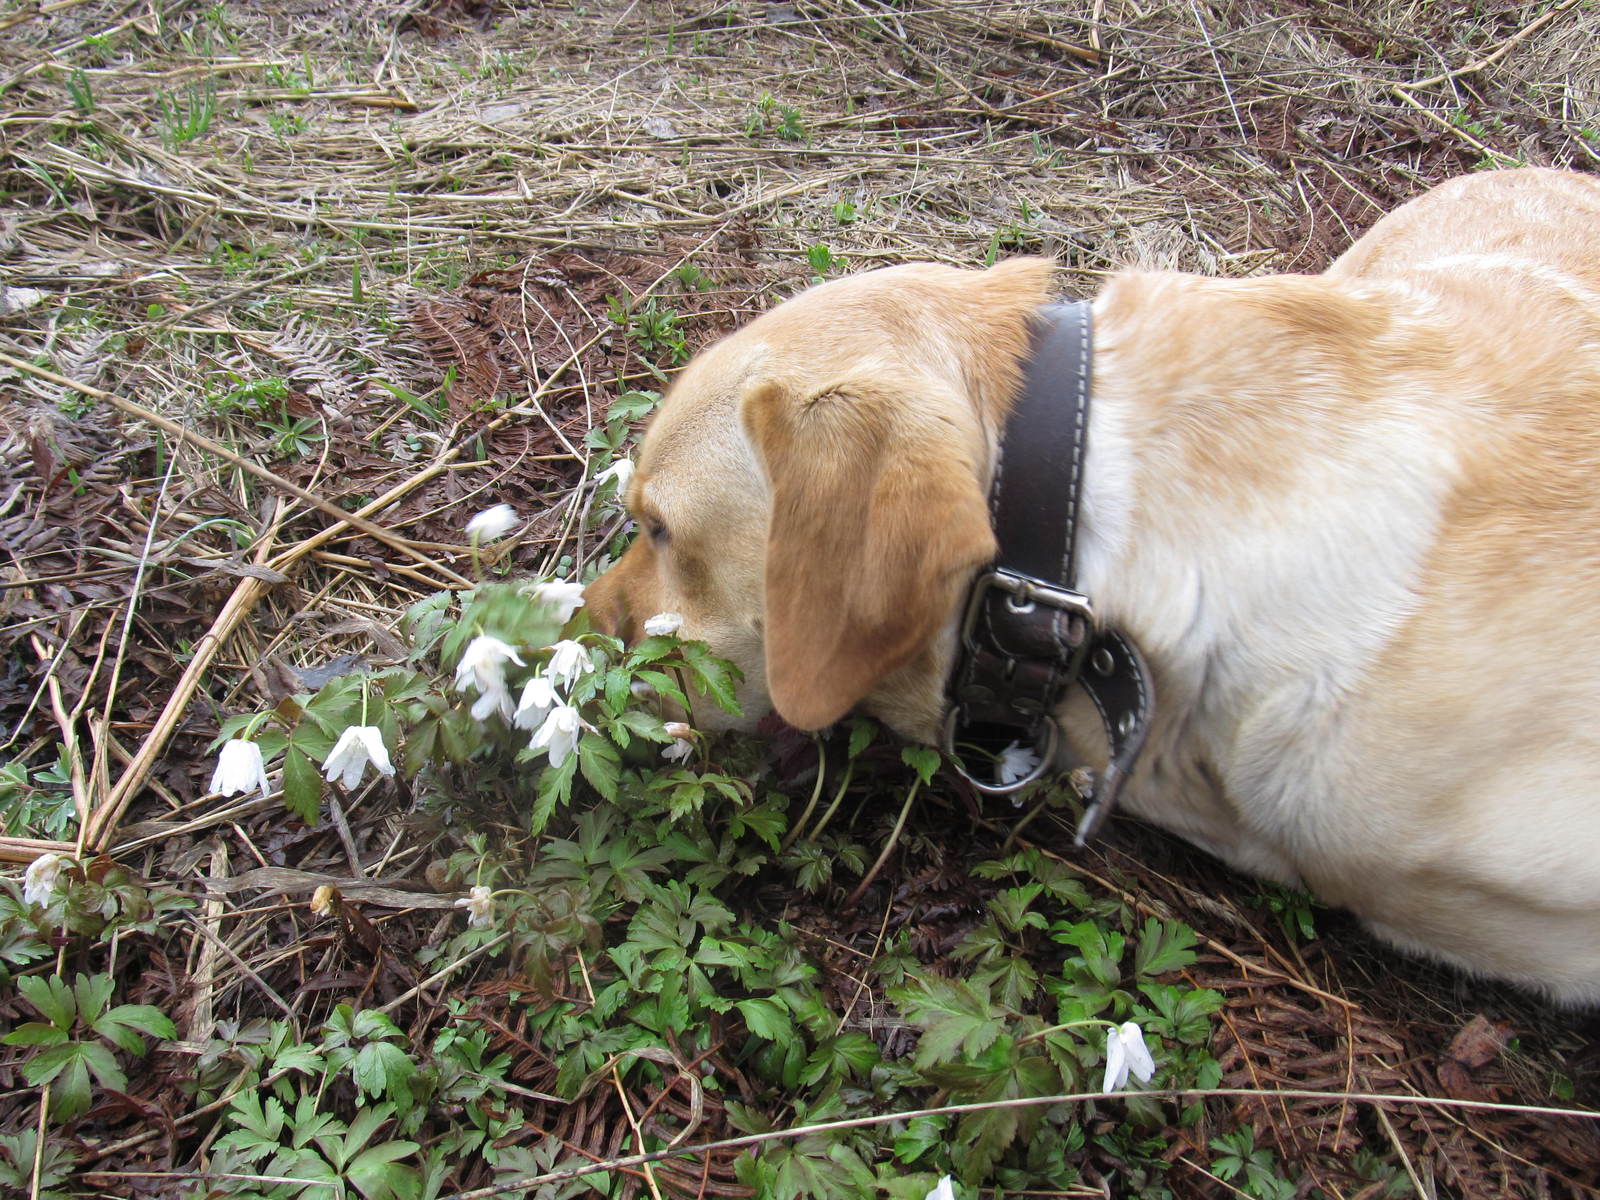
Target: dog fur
{"x": 1353, "y": 521}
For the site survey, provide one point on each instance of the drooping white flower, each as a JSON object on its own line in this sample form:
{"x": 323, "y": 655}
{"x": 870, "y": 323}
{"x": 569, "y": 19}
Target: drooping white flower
{"x": 945, "y": 1189}
{"x": 539, "y": 696}
{"x": 239, "y": 769}
{"x": 569, "y": 662}
{"x": 483, "y": 668}
{"x": 322, "y": 900}
{"x": 39, "y": 880}
{"x": 1125, "y": 1053}
{"x": 682, "y": 744}
{"x": 621, "y": 471}
{"x": 566, "y": 598}
{"x": 479, "y": 903}
{"x": 1016, "y": 762}
{"x": 492, "y": 523}
{"x": 559, "y": 734}
{"x": 357, "y": 746}
{"x": 662, "y": 624}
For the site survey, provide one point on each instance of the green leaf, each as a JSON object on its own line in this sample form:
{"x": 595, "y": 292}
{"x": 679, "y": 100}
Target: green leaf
{"x": 119, "y": 1025}
{"x": 715, "y": 676}
{"x": 1164, "y": 946}
{"x": 92, "y": 992}
{"x": 555, "y": 789}
{"x": 302, "y": 784}
{"x": 862, "y": 731}
{"x": 35, "y": 1033}
{"x": 377, "y": 1176}
{"x": 921, "y": 1135}
{"x": 52, "y": 997}
{"x": 600, "y": 764}
{"x": 955, "y": 1017}
{"x": 924, "y": 760}
{"x": 66, "y": 1069}
{"x": 767, "y": 1019}
{"x": 383, "y": 1069}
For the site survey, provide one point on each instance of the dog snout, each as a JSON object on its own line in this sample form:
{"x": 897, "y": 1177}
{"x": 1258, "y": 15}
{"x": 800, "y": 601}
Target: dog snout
{"x": 608, "y": 608}
{"x": 619, "y": 601}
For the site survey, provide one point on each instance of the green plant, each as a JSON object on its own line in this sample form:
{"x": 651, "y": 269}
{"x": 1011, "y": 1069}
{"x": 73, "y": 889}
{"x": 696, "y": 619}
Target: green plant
{"x": 1293, "y": 909}
{"x": 1255, "y": 1168}
{"x": 79, "y": 89}
{"x": 782, "y": 120}
{"x": 38, "y": 803}
{"x": 657, "y": 331}
{"x": 293, "y": 437}
{"x": 823, "y": 261}
{"x": 69, "y": 1056}
{"x": 18, "y": 1153}
{"x": 187, "y": 117}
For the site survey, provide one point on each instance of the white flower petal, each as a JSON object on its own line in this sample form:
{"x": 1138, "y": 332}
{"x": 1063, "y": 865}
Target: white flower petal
{"x": 495, "y": 699}
{"x": 539, "y": 696}
{"x": 569, "y": 662}
{"x": 492, "y": 523}
{"x": 559, "y": 734}
{"x": 239, "y": 769}
{"x": 565, "y": 598}
{"x": 1016, "y": 762}
{"x": 1140, "y": 1064}
{"x": 621, "y": 471}
{"x": 679, "y": 749}
{"x": 39, "y": 880}
{"x": 483, "y": 664}
{"x": 357, "y": 746}
{"x": 943, "y": 1190}
{"x": 663, "y": 623}
{"x": 1116, "y": 1062}
{"x": 479, "y": 903}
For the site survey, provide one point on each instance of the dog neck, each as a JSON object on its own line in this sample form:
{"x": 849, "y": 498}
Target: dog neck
{"x": 1239, "y": 431}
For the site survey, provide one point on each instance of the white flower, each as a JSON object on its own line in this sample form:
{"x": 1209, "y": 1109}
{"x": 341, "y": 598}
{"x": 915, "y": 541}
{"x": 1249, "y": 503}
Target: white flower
{"x": 356, "y": 747}
{"x": 239, "y": 769}
{"x": 621, "y": 471}
{"x": 483, "y": 667}
{"x": 322, "y": 900}
{"x": 662, "y": 624}
{"x": 1016, "y": 763}
{"x": 539, "y": 696}
{"x": 492, "y": 523}
{"x": 39, "y": 880}
{"x": 569, "y": 662}
{"x": 559, "y": 733}
{"x": 682, "y": 746}
{"x": 567, "y": 598}
{"x": 1125, "y": 1052}
{"x": 943, "y": 1190}
{"x": 479, "y": 903}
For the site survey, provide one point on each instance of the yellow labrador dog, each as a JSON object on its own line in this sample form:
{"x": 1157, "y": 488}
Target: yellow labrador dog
{"x": 1352, "y": 520}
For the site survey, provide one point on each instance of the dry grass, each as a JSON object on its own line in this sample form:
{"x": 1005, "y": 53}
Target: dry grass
{"x": 198, "y": 199}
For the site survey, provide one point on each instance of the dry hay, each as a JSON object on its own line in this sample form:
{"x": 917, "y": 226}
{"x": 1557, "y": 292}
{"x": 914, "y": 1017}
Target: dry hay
{"x": 384, "y": 194}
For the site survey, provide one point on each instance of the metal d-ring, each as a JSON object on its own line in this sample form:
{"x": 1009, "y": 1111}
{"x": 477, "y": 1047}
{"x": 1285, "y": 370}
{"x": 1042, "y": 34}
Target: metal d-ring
{"x": 1046, "y": 750}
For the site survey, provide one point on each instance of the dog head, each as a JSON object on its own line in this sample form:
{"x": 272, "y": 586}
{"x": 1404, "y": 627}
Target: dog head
{"x": 811, "y": 496}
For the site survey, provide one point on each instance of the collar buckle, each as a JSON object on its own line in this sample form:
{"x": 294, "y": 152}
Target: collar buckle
{"x": 1024, "y": 593}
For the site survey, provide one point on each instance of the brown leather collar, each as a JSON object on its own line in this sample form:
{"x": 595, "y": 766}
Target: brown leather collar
{"x": 1028, "y": 634}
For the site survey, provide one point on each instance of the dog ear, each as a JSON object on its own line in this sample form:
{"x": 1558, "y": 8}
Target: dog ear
{"x": 878, "y": 518}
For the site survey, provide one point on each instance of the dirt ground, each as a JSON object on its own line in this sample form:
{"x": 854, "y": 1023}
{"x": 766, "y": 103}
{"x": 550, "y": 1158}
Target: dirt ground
{"x": 264, "y": 267}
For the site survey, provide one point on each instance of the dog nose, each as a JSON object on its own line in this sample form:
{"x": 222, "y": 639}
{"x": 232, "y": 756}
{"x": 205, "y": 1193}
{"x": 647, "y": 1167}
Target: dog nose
{"x": 608, "y": 608}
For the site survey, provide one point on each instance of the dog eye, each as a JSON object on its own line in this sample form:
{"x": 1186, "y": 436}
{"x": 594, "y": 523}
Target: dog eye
{"x": 656, "y": 528}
